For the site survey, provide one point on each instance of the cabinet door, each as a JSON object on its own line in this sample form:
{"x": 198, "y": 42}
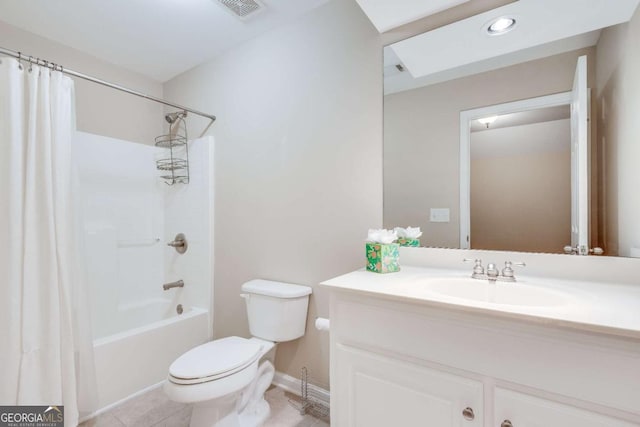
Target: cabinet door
{"x": 378, "y": 391}
{"x": 523, "y": 410}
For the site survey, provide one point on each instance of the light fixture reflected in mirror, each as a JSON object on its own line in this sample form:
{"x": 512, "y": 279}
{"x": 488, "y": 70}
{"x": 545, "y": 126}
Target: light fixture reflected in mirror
{"x": 488, "y": 120}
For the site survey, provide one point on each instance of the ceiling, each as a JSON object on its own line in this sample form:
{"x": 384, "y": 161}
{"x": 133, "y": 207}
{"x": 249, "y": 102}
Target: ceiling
{"x": 388, "y": 14}
{"x": 396, "y": 81}
{"x": 157, "y": 38}
{"x": 544, "y": 28}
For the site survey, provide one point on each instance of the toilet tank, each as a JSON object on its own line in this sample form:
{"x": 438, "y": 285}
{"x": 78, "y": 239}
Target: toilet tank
{"x": 277, "y": 311}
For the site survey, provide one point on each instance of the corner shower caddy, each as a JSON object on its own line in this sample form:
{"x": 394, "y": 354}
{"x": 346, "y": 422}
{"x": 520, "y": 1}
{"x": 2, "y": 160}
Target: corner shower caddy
{"x": 174, "y": 161}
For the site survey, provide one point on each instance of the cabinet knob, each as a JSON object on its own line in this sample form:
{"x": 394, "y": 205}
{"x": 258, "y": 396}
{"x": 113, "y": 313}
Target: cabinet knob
{"x": 506, "y": 423}
{"x": 468, "y": 414}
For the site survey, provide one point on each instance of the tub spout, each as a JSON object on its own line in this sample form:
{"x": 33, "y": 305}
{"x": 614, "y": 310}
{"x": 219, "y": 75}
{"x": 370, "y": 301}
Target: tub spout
{"x": 176, "y": 284}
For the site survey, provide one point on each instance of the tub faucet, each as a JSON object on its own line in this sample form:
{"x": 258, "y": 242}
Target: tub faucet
{"x": 176, "y": 284}
{"x": 179, "y": 243}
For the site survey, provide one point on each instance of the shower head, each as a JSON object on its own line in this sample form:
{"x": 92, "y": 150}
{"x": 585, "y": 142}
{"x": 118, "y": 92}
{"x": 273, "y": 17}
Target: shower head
{"x": 172, "y": 117}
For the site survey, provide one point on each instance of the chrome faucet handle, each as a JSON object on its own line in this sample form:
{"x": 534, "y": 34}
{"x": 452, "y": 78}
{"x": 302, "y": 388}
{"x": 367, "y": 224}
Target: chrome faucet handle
{"x": 179, "y": 243}
{"x": 507, "y": 271}
{"x": 478, "y": 269}
{"x": 492, "y": 272}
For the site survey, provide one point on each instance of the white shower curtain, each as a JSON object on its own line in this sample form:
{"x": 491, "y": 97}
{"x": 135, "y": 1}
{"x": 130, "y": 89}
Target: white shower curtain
{"x": 46, "y": 354}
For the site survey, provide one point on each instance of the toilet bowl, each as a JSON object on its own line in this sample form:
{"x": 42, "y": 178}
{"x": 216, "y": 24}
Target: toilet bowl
{"x": 226, "y": 379}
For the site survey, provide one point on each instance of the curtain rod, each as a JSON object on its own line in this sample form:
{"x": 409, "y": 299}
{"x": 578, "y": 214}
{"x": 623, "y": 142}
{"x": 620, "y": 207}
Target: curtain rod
{"x": 58, "y": 67}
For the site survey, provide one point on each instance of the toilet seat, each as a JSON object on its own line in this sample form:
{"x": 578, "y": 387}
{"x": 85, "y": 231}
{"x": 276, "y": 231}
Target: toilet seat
{"x": 214, "y": 360}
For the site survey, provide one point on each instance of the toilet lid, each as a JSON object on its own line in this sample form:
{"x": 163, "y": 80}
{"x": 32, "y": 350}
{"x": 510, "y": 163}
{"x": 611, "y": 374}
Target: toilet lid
{"x": 215, "y": 358}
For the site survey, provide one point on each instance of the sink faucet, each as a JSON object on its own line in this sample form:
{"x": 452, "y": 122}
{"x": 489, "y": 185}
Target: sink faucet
{"x": 507, "y": 271}
{"x": 493, "y": 273}
{"x": 478, "y": 269}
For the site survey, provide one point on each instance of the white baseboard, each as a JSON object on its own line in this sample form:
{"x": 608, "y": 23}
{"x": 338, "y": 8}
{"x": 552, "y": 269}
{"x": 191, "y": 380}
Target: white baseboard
{"x": 119, "y": 402}
{"x": 292, "y": 385}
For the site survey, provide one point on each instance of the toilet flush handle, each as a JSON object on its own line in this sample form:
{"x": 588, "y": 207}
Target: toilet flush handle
{"x": 245, "y": 296}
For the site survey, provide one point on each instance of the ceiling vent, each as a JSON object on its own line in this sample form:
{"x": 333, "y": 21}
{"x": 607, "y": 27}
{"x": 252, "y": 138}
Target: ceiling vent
{"x": 243, "y": 9}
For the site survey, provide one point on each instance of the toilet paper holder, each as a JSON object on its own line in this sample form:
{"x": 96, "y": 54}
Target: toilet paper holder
{"x": 322, "y": 324}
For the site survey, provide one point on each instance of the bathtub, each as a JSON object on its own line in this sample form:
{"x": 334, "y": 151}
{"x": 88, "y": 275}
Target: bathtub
{"x": 120, "y": 320}
{"x": 132, "y": 361}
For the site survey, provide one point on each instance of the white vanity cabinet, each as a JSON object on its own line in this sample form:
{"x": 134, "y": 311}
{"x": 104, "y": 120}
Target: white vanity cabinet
{"x": 513, "y": 409}
{"x": 398, "y": 361}
{"x": 382, "y": 391}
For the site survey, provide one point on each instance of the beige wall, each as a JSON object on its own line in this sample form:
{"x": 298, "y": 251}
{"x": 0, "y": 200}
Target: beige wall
{"x": 99, "y": 109}
{"x": 298, "y": 163}
{"x": 524, "y": 205}
{"x": 298, "y": 158}
{"x": 618, "y": 138}
{"x": 521, "y": 197}
{"x": 421, "y": 134}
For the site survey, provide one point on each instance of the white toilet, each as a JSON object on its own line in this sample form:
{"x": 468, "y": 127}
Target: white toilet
{"x": 225, "y": 379}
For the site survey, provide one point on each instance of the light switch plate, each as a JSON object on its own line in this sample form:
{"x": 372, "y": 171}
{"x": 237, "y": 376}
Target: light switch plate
{"x": 439, "y": 215}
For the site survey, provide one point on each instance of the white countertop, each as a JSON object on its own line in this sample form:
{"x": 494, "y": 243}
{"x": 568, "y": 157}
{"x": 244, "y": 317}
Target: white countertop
{"x": 612, "y": 309}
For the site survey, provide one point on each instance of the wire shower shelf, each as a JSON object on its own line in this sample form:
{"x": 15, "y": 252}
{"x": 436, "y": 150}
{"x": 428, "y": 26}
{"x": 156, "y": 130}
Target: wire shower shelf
{"x": 174, "y": 161}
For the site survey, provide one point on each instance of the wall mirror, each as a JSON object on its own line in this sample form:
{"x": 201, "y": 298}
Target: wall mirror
{"x": 518, "y": 129}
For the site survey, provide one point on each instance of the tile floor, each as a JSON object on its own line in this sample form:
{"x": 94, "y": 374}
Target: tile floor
{"x": 154, "y": 409}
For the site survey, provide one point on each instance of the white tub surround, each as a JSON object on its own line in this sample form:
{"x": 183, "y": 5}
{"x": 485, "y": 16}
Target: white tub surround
{"x": 129, "y": 216}
{"x": 409, "y": 348}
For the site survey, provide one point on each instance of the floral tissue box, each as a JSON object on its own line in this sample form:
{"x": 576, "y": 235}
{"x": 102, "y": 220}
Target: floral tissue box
{"x": 383, "y": 257}
{"x": 409, "y": 236}
{"x": 407, "y": 241}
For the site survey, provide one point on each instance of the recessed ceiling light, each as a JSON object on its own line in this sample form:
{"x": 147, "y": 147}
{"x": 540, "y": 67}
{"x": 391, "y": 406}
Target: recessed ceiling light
{"x": 501, "y": 25}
